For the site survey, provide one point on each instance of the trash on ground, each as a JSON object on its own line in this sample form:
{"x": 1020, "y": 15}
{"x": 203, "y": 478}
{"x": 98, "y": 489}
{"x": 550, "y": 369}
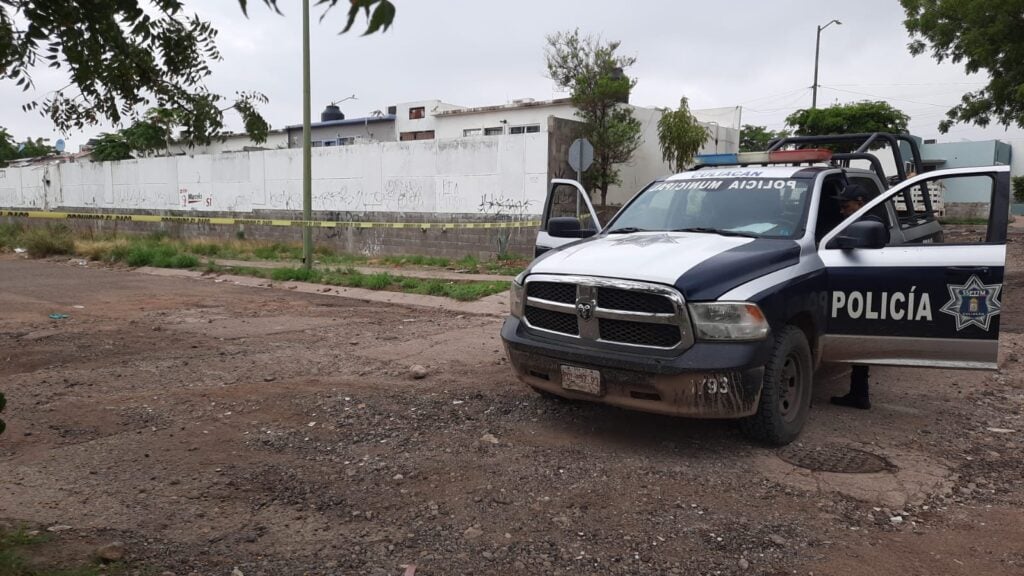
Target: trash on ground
{"x": 59, "y": 316}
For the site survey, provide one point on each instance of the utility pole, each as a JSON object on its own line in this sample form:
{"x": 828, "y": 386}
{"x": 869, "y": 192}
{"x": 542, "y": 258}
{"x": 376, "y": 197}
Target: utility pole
{"x": 817, "y": 50}
{"x": 307, "y": 146}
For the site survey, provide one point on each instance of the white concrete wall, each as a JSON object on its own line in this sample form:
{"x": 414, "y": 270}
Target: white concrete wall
{"x": 490, "y": 175}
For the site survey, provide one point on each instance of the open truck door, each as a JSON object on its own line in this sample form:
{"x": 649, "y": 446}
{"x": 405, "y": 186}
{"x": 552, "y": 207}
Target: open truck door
{"x": 900, "y": 297}
{"x": 568, "y": 216}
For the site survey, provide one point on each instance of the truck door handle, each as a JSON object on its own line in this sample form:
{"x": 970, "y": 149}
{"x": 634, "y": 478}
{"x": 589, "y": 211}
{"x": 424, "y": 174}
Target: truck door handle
{"x": 967, "y": 270}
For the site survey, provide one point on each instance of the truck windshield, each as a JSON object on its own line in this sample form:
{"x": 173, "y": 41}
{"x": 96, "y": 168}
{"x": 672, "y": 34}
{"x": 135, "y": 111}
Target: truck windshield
{"x": 759, "y": 207}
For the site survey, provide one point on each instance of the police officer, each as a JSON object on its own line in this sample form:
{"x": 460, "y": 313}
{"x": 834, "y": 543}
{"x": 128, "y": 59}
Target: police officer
{"x": 851, "y": 199}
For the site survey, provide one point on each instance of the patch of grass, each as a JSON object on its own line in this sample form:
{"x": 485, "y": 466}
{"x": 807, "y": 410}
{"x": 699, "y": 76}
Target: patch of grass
{"x": 103, "y": 250}
{"x": 474, "y": 290}
{"x": 211, "y": 249}
{"x": 964, "y": 221}
{"x": 468, "y": 262}
{"x": 10, "y": 235}
{"x": 14, "y": 545}
{"x": 416, "y": 260}
{"x": 21, "y": 537}
{"x": 352, "y": 278}
{"x": 378, "y": 281}
{"x": 296, "y": 274}
{"x": 53, "y": 239}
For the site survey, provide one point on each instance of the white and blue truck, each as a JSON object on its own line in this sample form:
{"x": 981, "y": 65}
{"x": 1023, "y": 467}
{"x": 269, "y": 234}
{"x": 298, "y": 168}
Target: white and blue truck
{"x": 717, "y": 292}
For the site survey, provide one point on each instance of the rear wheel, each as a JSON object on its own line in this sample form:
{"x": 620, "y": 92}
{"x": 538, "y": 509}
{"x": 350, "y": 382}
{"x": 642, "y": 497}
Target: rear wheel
{"x": 786, "y": 392}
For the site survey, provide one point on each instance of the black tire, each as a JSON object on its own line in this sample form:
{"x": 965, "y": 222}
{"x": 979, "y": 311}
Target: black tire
{"x": 786, "y": 392}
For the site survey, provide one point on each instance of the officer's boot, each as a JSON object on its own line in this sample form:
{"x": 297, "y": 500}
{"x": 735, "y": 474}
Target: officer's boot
{"x": 858, "y": 396}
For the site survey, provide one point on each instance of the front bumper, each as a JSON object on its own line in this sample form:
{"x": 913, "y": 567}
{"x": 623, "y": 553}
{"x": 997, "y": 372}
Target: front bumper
{"x": 709, "y": 380}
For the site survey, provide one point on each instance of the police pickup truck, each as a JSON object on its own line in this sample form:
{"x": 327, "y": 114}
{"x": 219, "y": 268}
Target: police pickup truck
{"x": 717, "y": 292}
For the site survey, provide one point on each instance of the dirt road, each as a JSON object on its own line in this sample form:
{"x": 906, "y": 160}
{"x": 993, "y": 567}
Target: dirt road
{"x": 212, "y": 426}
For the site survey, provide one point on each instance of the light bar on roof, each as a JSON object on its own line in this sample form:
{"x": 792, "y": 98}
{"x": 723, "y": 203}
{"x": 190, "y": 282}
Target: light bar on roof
{"x": 774, "y": 157}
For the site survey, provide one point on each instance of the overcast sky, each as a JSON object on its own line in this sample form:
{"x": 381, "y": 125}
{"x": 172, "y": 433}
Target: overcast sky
{"x": 751, "y": 53}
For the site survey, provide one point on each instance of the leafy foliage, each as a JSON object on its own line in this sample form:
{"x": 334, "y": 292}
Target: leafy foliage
{"x": 757, "y": 138}
{"x": 983, "y": 35}
{"x": 29, "y": 148}
{"x": 125, "y": 56}
{"x": 592, "y": 71}
{"x": 680, "y": 136}
{"x": 111, "y": 147}
{"x": 852, "y": 118}
{"x": 1018, "y": 188}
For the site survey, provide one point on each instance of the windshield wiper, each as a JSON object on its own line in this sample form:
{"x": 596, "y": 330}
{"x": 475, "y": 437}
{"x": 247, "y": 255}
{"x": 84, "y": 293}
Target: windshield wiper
{"x": 719, "y": 231}
{"x": 626, "y": 230}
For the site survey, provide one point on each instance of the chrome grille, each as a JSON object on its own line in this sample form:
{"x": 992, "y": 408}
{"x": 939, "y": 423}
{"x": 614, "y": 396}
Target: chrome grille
{"x": 617, "y": 299}
{"x": 606, "y": 310}
{"x": 660, "y": 335}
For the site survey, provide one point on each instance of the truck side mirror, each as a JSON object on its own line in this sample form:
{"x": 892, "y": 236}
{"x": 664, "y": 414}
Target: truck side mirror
{"x": 869, "y": 234}
{"x": 568, "y": 227}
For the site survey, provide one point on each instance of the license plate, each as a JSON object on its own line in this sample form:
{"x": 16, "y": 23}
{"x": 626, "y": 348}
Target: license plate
{"x": 581, "y": 379}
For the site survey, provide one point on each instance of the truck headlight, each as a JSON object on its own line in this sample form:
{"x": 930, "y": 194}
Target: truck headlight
{"x": 517, "y": 296}
{"x": 728, "y": 321}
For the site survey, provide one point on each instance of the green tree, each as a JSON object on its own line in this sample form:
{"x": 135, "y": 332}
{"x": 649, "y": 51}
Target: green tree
{"x": 125, "y": 56}
{"x": 28, "y": 148}
{"x": 593, "y": 73}
{"x": 853, "y": 118}
{"x": 1018, "y": 188}
{"x": 984, "y": 35}
{"x": 757, "y": 138}
{"x": 111, "y": 147}
{"x": 680, "y": 136}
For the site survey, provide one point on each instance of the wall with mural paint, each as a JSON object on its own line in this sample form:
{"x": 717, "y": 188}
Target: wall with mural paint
{"x": 481, "y": 175}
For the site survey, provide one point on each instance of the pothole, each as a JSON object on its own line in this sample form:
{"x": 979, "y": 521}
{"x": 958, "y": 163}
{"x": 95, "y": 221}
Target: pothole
{"x": 835, "y": 458}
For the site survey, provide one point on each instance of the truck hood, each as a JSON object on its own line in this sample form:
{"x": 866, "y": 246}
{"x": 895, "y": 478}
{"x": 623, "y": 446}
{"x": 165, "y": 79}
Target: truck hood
{"x": 701, "y": 266}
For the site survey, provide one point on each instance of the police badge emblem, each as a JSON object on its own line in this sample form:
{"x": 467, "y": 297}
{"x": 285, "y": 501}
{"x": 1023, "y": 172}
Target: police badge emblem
{"x": 973, "y": 303}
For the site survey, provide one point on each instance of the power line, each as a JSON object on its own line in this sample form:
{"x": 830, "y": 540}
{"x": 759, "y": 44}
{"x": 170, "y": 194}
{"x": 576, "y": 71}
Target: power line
{"x": 888, "y": 97}
{"x": 770, "y": 96}
{"x": 918, "y": 84}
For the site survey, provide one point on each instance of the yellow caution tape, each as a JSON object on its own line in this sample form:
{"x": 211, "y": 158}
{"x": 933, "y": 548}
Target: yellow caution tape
{"x": 261, "y": 221}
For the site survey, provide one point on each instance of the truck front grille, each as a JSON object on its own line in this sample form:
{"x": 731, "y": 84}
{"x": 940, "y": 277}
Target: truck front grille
{"x": 660, "y": 335}
{"x": 553, "y": 291}
{"x": 606, "y": 310}
{"x": 553, "y": 321}
{"x": 618, "y": 299}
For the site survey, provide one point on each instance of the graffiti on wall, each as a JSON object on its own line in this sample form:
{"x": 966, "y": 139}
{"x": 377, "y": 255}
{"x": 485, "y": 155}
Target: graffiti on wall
{"x": 372, "y": 178}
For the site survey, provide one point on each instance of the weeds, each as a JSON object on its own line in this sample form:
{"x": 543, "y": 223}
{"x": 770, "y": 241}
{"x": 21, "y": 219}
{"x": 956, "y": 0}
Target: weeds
{"x": 160, "y": 251}
{"x": 10, "y": 235}
{"x": 51, "y": 240}
{"x": 352, "y": 278}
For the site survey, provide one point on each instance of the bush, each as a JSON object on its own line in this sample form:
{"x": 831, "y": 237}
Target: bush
{"x": 51, "y": 240}
{"x": 10, "y": 234}
{"x": 1018, "y": 189}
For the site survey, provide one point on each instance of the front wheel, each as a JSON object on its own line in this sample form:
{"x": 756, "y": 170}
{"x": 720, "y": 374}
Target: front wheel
{"x": 785, "y": 393}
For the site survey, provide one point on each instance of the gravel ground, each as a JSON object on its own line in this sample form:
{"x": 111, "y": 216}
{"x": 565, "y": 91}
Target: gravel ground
{"x": 210, "y": 426}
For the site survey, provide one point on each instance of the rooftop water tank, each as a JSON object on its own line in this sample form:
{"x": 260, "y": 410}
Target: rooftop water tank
{"x": 331, "y": 112}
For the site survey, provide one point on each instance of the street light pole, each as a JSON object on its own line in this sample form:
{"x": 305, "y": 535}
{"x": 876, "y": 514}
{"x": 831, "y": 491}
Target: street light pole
{"x": 307, "y": 146}
{"x": 817, "y": 50}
